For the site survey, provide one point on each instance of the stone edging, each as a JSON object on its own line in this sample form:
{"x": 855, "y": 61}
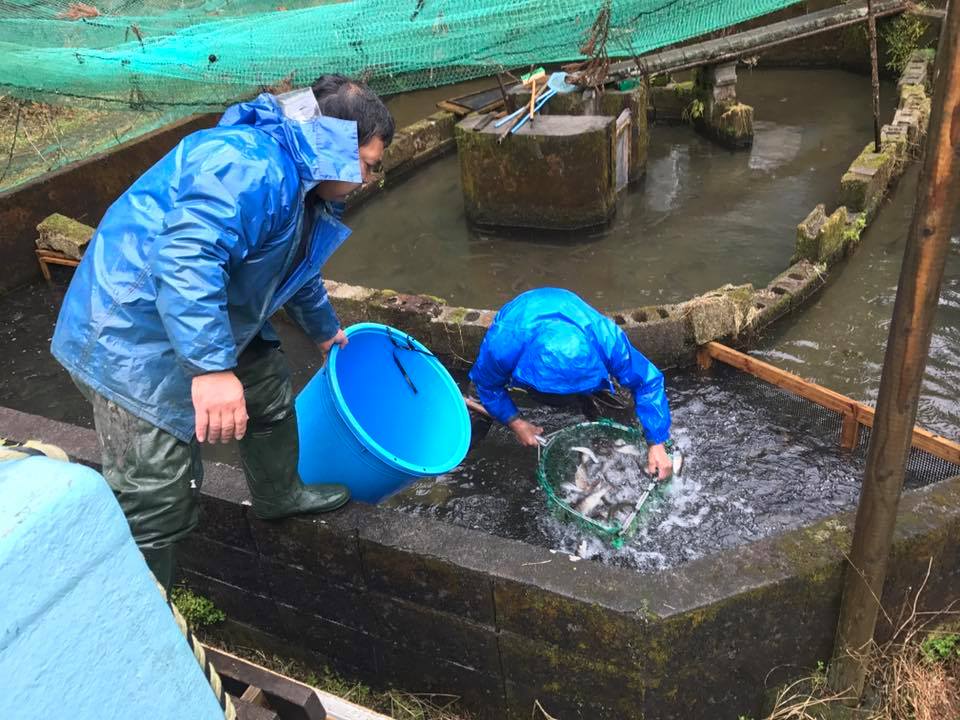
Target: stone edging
{"x": 670, "y": 334}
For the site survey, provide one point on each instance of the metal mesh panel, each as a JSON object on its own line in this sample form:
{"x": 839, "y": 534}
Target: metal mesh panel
{"x": 922, "y": 468}
{"x": 824, "y": 425}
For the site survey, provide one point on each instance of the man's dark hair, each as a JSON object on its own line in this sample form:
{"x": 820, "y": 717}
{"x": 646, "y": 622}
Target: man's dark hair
{"x": 340, "y": 97}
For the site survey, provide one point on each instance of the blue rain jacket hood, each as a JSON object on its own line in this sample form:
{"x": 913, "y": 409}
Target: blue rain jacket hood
{"x": 189, "y": 263}
{"x": 551, "y": 341}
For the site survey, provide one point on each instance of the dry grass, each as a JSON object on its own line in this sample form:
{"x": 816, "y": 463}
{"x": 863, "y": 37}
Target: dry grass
{"x": 37, "y": 137}
{"x": 397, "y": 704}
{"x": 913, "y": 676}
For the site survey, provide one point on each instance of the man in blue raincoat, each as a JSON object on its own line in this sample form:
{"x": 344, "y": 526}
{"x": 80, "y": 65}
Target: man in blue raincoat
{"x": 165, "y": 325}
{"x": 552, "y": 344}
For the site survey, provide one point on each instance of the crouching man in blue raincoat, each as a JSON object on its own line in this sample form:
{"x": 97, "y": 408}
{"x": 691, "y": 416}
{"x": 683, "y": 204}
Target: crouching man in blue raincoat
{"x": 165, "y": 325}
{"x": 552, "y": 344}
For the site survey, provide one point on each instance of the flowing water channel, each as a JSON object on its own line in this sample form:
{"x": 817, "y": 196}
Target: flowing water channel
{"x": 704, "y": 216}
{"x": 751, "y": 470}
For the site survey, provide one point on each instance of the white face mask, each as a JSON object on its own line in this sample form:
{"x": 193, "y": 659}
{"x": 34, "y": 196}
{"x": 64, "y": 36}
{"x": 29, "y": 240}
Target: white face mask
{"x": 299, "y": 105}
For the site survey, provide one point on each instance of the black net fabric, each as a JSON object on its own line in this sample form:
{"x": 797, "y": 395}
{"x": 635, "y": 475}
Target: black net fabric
{"x": 823, "y": 425}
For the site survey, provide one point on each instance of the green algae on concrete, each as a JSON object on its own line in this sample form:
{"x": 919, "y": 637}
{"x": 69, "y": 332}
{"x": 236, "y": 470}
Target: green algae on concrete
{"x": 822, "y": 238}
{"x": 431, "y": 135}
{"x": 864, "y": 185}
{"x": 555, "y": 173}
{"x": 719, "y": 314}
{"x": 64, "y": 235}
{"x": 614, "y": 102}
{"x": 611, "y": 102}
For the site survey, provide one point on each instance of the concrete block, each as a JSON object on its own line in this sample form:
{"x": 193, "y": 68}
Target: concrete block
{"x": 222, "y": 562}
{"x": 327, "y": 638}
{"x": 821, "y": 239}
{"x": 83, "y": 622}
{"x": 224, "y": 519}
{"x": 237, "y": 602}
{"x": 413, "y": 627}
{"x": 556, "y": 173}
{"x": 428, "y": 581}
{"x": 64, "y": 235}
{"x": 864, "y": 185}
{"x": 717, "y": 314}
{"x": 416, "y": 143}
{"x": 309, "y": 542}
{"x": 666, "y": 342}
{"x": 610, "y": 103}
{"x": 670, "y": 102}
{"x": 316, "y": 593}
{"x": 569, "y": 685}
{"x": 730, "y": 124}
{"x": 481, "y": 692}
{"x": 572, "y": 103}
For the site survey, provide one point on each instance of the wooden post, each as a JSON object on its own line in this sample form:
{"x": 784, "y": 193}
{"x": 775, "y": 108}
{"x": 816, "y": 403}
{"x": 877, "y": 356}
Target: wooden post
{"x": 849, "y": 431}
{"x": 874, "y": 74}
{"x": 938, "y": 193}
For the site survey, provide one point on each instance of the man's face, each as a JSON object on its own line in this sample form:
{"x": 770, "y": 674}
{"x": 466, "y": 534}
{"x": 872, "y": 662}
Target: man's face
{"x": 371, "y": 154}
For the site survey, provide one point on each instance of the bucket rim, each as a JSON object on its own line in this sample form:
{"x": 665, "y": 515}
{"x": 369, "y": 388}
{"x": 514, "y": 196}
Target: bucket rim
{"x": 364, "y": 437}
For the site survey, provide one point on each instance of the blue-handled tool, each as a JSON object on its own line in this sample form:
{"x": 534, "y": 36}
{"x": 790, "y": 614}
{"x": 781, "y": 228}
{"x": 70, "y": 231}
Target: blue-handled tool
{"x": 556, "y": 84}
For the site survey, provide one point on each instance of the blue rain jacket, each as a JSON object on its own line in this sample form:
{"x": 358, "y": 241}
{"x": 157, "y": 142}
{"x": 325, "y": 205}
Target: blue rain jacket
{"x": 189, "y": 263}
{"x": 552, "y": 341}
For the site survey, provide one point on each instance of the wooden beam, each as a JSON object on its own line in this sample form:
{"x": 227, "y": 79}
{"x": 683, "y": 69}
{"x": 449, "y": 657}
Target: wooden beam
{"x": 924, "y": 440}
{"x": 704, "y": 361}
{"x": 254, "y": 696}
{"x": 750, "y": 42}
{"x": 849, "y": 432}
{"x": 292, "y": 700}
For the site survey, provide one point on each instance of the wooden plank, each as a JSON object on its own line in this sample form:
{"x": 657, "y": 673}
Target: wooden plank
{"x": 749, "y": 42}
{"x": 292, "y": 700}
{"x": 849, "y": 432}
{"x": 249, "y": 711}
{"x": 340, "y": 709}
{"x": 924, "y": 440}
{"x": 783, "y": 379}
{"x": 458, "y": 110}
{"x": 254, "y": 696}
{"x": 704, "y": 361}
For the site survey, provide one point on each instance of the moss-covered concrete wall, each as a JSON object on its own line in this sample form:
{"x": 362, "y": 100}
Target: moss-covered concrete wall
{"x": 611, "y": 102}
{"x": 557, "y": 172}
{"x": 428, "y": 606}
{"x": 826, "y": 240}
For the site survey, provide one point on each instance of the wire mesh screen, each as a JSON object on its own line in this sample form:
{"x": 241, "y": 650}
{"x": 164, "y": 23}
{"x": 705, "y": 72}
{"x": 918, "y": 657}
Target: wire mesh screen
{"x": 152, "y": 62}
{"x": 922, "y": 468}
{"x": 806, "y": 418}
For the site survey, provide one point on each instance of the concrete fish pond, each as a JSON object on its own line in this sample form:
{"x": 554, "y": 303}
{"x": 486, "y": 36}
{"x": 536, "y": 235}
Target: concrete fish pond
{"x": 757, "y": 462}
{"x": 426, "y": 603}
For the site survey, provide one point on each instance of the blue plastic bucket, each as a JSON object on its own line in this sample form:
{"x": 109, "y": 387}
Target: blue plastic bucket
{"x": 381, "y": 413}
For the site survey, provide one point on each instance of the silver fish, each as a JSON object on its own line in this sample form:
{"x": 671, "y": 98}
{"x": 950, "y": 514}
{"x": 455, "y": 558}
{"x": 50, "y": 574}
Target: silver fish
{"x": 581, "y": 480}
{"x": 588, "y": 504}
{"x": 628, "y": 450}
{"x": 586, "y": 452}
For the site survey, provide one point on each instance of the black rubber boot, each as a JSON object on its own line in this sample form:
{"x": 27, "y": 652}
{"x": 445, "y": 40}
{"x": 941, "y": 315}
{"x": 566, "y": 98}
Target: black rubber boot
{"x": 269, "y": 455}
{"x": 162, "y": 563}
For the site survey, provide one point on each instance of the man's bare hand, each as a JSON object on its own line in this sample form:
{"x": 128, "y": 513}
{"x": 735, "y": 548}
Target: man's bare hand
{"x": 659, "y": 462}
{"x": 526, "y": 432}
{"x": 339, "y": 339}
{"x": 221, "y": 412}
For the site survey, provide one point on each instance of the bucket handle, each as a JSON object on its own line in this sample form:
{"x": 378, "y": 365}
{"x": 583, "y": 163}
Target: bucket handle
{"x": 396, "y": 358}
